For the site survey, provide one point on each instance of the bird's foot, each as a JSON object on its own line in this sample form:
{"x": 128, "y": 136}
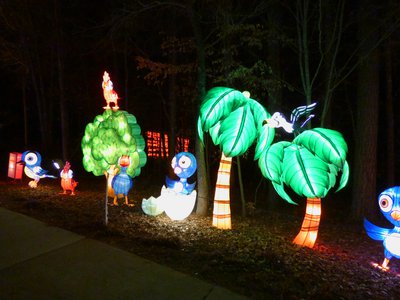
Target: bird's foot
{"x": 107, "y": 107}
{"x": 381, "y": 267}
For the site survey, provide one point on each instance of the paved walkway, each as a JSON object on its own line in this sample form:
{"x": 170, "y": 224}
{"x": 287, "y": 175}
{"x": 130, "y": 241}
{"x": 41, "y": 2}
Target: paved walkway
{"x": 43, "y": 262}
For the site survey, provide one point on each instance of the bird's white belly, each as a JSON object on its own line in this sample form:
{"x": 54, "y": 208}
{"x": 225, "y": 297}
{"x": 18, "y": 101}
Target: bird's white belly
{"x": 392, "y": 243}
{"x": 31, "y": 174}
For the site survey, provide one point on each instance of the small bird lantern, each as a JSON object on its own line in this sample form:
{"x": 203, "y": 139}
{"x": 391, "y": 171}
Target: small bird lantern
{"x": 389, "y": 204}
{"x": 110, "y": 95}
{"x": 67, "y": 181}
{"x": 14, "y": 168}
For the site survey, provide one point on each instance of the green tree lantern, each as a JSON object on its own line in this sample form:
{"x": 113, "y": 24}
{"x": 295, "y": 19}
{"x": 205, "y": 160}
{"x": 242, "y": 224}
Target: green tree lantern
{"x": 309, "y": 165}
{"x": 234, "y": 122}
{"x": 111, "y": 135}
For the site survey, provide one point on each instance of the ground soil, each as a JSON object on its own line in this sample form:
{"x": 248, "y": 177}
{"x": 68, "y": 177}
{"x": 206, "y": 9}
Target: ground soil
{"x": 256, "y": 258}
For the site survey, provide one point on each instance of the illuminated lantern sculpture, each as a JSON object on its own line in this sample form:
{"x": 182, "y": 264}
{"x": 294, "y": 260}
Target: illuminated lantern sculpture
{"x": 110, "y": 95}
{"x": 122, "y": 183}
{"x": 153, "y": 206}
{"x": 389, "y": 203}
{"x": 14, "y": 168}
{"x": 184, "y": 165}
{"x": 32, "y": 161}
{"x": 234, "y": 122}
{"x": 309, "y": 165}
{"x": 111, "y": 135}
{"x": 67, "y": 181}
{"x": 179, "y": 197}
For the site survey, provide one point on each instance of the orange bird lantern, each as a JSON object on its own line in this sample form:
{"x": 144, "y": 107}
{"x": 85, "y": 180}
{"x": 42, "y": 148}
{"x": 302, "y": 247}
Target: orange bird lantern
{"x": 110, "y": 95}
{"x": 67, "y": 181}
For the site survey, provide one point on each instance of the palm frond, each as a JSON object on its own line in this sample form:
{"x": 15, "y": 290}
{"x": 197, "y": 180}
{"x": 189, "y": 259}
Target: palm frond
{"x": 270, "y": 161}
{"x": 305, "y": 173}
{"x": 329, "y": 145}
{"x": 345, "y": 176}
{"x": 237, "y": 132}
{"x": 265, "y": 134}
{"x": 218, "y": 103}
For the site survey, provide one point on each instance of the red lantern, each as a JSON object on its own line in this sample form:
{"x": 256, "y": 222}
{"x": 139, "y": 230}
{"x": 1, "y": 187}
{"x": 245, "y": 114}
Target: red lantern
{"x": 14, "y": 168}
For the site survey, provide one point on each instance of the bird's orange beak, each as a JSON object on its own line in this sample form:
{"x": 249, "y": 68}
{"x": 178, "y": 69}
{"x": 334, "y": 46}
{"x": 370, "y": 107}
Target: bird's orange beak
{"x": 265, "y": 122}
{"x": 395, "y": 215}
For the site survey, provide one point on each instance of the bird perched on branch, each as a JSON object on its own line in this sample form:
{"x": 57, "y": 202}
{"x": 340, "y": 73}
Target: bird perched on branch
{"x": 278, "y": 120}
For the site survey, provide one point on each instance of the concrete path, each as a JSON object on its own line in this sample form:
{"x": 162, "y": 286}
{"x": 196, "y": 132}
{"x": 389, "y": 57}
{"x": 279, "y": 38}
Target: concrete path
{"x": 43, "y": 262}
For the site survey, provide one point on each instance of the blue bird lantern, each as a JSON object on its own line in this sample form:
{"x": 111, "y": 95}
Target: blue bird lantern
{"x": 122, "y": 183}
{"x": 389, "y": 204}
{"x": 32, "y": 169}
{"x": 184, "y": 165}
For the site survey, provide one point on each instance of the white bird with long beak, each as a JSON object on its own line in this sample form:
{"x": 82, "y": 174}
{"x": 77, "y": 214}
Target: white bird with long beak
{"x": 278, "y": 120}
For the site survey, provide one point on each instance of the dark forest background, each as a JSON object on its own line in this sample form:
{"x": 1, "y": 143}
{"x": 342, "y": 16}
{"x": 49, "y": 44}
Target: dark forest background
{"x": 163, "y": 56}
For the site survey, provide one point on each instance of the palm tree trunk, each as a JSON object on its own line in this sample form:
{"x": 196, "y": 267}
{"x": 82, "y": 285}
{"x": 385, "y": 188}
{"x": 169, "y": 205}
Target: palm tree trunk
{"x": 222, "y": 209}
{"x": 309, "y": 229}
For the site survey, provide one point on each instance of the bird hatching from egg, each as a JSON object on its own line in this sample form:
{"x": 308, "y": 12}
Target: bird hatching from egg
{"x": 184, "y": 165}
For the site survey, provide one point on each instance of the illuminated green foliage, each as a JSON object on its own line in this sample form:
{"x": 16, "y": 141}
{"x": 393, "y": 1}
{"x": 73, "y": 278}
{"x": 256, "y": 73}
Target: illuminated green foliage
{"x": 234, "y": 122}
{"x": 309, "y": 165}
{"x": 112, "y": 134}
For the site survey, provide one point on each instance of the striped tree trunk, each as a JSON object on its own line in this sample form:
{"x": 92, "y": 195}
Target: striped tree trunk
{"x": 222, "y": 209}
{"x": 309, "y": 229}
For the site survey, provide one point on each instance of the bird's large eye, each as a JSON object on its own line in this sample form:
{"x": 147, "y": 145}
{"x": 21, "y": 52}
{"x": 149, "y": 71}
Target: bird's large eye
{"x": 184, "y": 162}
{"x": 385, "y": 203}
{"x": 173, "y": 163}
{"x": 31, "y": 158}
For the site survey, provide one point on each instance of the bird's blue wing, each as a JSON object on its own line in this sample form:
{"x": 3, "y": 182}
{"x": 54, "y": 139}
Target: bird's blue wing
{"x": 189, "y": 187}
{"x": 375, "y": 232}
{"x": 170, "y": 183}
{"x": 39, "y": 171}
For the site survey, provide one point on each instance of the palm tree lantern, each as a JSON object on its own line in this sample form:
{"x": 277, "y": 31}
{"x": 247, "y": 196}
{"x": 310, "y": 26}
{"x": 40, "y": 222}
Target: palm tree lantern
{"x": 234, "y": 122}
{"x": 309, "y": 165}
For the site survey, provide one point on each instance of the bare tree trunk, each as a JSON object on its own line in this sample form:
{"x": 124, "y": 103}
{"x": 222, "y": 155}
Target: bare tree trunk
{"x": 390, "y": 148}
{"x": 25, "y": 106}
{"x": 202, "y": 174}
{"x": 365, "y": 160}
{"x": 63, "y": 106}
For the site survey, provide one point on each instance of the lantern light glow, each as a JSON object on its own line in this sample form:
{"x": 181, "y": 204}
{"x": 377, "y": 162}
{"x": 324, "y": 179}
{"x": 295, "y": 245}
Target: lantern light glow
{"x": 14, "y": 168}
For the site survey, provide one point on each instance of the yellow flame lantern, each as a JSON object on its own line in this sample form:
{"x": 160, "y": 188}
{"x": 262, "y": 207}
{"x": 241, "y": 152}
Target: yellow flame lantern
{"x": 14, "y": 168}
